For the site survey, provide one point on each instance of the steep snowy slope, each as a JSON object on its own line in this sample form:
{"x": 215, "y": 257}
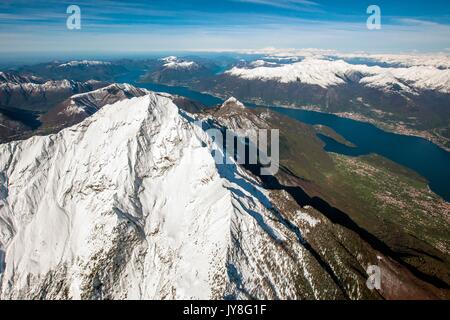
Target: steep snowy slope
{"x": 101, "y": 208}
{"x": 77, "y": 108}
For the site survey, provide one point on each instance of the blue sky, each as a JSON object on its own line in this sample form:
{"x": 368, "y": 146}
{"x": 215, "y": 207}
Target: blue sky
{"x": 170, "y": 25}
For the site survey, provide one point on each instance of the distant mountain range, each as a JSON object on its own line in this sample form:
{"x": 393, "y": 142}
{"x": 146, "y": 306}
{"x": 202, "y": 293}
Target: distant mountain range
{"x": 83, "y": 70}
{"x": 38, "y": 94}
{"x": 325, "y": 74}
{"x": 173, "y": 69}
{"x": 408, "y": 94}
{"x": 30, "y": 105}
{"x": 409, "y": 97}
{"x": 23, "y": 98}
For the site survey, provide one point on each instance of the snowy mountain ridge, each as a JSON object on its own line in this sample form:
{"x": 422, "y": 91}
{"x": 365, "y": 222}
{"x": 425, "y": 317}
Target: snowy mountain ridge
{"x": 130, "y": 204}
{"x": 83, "y": 101}
{"x": 326, "y": 73}
{"x": 440, "y": 60}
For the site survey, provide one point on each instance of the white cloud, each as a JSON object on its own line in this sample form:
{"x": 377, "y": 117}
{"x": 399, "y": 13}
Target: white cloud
{"x": 297, "y": 5}
{"x": 417, "y": 22}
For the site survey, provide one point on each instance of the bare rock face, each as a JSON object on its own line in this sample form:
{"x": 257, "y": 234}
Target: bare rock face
{"x": 9, "y": 128}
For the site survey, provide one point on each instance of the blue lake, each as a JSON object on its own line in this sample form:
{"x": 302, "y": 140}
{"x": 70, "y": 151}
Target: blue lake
{"x": 420, "y": 155}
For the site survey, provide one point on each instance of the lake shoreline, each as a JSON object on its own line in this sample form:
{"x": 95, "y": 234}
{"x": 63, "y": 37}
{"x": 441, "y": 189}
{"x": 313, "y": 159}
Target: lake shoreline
{"x": 380, "y": 125}
{"x": 346, "y": 115}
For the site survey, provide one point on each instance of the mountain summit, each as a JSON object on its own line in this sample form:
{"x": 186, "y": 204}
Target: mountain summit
{"x": 130, "y": 204}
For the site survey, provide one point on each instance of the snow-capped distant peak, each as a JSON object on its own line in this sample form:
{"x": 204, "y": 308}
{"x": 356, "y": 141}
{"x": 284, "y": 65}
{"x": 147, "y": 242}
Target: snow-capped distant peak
{"x": 173, "y": 62}
{"x": 438, "y": 60}
{"x": 31, "y": 85}
{"x": 169, "y": 59}
{"x": 310, "y": 71}
{"x": 76, "y": 63}
{"x": 326, "y": 73}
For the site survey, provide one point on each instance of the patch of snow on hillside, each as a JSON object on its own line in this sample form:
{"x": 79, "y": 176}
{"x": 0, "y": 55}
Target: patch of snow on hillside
{"x": 305, "y": 217}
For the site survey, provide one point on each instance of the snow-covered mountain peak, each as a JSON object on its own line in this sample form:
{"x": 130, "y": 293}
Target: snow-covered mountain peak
{"x": 127, "y": 204}
{"x": 233, "y": 102}
{"x": 121, "y": 168}
{"x": 310, "y": 71}
{"x": 181, "y": 65}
